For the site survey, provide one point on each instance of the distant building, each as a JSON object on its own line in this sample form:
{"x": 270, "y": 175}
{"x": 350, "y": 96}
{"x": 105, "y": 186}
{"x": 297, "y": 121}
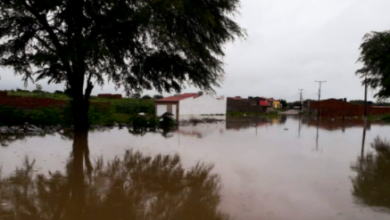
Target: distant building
{"x": 276, "y": 104}
{"x": 249, "y": 105}
{"x": 191, "y": 105}
{"x": 110, "y": 96}
{"x": 342, "y": 108}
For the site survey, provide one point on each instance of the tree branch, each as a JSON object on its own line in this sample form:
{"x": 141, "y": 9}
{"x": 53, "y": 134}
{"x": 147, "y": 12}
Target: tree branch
{"x": 42, "y": 20}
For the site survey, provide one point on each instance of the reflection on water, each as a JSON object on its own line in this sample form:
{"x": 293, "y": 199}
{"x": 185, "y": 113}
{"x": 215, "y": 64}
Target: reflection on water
{"x": 371, "y": 186}
{"x": 132, "y": 187}
{"x": 268, "y": 167}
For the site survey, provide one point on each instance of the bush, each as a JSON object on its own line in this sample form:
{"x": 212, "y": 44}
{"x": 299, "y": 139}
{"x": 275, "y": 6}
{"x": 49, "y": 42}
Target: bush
{"x": 146, "y": 97}
{"x": 133, "y": 107}
{"x": 58, "y": 92}
{"x": 139, "y": 122}
{"x": 165, "y": 121}
{"x": 153, "y": 122}
{"x": 21, "y": 90}
{"x": 386, "y": 118}
{"x": 41, "y": 116}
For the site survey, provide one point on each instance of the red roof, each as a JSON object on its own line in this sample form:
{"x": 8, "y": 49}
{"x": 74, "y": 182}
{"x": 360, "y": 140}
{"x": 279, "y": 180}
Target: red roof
{"x": 178, "y": 97}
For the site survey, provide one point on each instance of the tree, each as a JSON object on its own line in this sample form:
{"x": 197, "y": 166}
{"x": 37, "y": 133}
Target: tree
{"x": 375, "y": 51}
{"x": 136, "y": 44}
{"x": 158, "y": 96}
{"x": 283, "y": 103}
{"x": 146, "y": 97}
{"x": 136, "y": 96}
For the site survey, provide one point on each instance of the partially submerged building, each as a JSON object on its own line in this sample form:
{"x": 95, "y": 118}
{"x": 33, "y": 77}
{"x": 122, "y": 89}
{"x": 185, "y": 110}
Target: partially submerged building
{"x": 249, "y": 105}
{"x": 191, "y": 105}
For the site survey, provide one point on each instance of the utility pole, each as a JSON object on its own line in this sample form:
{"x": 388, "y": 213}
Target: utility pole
{"x": 300, "y": 95}
{"x": 319, "y": 97}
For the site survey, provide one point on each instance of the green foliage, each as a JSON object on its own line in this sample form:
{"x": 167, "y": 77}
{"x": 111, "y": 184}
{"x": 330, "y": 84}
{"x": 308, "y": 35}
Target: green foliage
{"x": 146, "y": 97}
{"x": 133, "y": 106}
{"x": 153, "y": 122}
{"x": 51, "y": 116}
{"x": 139, "y": 44}
{"x": 21, "y": 90}
{"x": 158, "y": 96}
{"x": 166, "y": 121}
{"x": 136, "y": 96}
{"x": 58, "y": 92}
{"x": 283, "y": 103}
{"x": 139, "y": 122}
{"x": 386, "y": 118}
{"x": 374, "y": 56}
{"x": 41, "y": 116}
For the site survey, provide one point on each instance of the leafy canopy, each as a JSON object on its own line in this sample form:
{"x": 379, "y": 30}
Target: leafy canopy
{"x": 137, "y": 44}
{"x": 375, "y": 56}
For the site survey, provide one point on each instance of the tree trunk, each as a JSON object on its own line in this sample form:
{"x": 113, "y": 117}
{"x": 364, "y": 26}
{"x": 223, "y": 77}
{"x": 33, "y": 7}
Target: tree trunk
{"x": 77, "y": 178}
{"x": 80, "y": 108}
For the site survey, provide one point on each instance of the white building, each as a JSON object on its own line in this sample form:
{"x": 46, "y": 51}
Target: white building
{"x": 191, "y": 105}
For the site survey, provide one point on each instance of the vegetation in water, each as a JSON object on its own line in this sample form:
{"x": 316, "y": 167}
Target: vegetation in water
{"x": 371, "y": 185}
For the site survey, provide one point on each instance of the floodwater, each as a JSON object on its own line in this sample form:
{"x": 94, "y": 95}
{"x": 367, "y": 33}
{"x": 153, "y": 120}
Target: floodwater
{"x": 283, "y": 168}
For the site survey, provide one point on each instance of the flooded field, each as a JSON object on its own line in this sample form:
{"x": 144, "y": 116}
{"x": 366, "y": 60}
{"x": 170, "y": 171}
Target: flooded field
{"x": 284, "y": 168}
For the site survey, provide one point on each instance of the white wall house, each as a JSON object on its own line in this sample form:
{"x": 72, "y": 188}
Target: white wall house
{"x": 191, "y": 105}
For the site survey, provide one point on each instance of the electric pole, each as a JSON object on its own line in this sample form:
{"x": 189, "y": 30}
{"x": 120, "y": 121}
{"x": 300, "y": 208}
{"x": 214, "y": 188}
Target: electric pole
{"x": 300, "y": 95}
{"x": 319, "y": 96}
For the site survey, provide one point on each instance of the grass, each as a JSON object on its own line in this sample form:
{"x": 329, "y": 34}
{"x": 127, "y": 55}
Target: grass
{"x": 383, "y": 118}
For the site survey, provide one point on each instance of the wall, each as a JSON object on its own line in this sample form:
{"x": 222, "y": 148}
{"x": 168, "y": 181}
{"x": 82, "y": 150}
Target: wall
{"x": 32, "y": 102}
{"x": 29, "y": 102}
{"x": 202, "y": 105}
{"x": 244, "y": 105}
{"x": 110, "y": 96}
{"x": 338, "y": 108}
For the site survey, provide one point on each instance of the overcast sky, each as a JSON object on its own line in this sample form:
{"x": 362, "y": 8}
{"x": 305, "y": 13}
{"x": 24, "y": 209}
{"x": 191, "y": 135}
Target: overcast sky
{"x": 290, "y": 44}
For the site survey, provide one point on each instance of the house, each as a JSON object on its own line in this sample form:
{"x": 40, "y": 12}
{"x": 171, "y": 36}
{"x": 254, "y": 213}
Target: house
{"x": 191, "y": 105}
{"x": 276, "y": 104}
{"x": 249, "y": 105}
{"x": 266, "y": 102}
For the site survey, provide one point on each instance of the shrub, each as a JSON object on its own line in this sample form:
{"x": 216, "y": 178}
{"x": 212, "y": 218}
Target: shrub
{"x": 152, "y": 122}
{"x": 22, "y": 90}
{"x": 58, "y": 92}
{"x": 133, "y": 107}
{"x": 386, "y": 118}
{"x": 139, "y": 122}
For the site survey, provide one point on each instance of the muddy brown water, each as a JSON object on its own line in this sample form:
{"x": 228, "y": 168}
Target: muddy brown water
{"x": 283, "y": 168}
